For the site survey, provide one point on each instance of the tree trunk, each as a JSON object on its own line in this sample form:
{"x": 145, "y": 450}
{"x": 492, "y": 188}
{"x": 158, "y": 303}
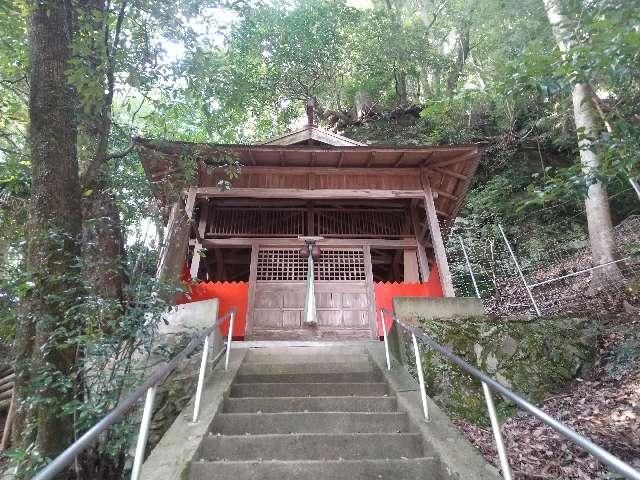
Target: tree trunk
{"x": 53, "y": 248}
{"x": 4, "y": 251}
{"x": 175, "y": 250}
{"x": 401, "y": 88}
{"x": 425, "y": 84}
{"x": 464, "y": 48}
{"x": 103, "y": 240}
{"x": 601, "y": 236}
{"x": 363, "y": 104}
{"x": 102, "y": 251}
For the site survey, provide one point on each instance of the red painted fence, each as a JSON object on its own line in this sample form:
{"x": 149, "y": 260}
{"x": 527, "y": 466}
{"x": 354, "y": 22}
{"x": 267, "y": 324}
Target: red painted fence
{"x": 385, "y": 293}
{"x": 236, "y": 294}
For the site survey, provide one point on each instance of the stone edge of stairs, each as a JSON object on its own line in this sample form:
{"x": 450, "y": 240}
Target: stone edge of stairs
{"x": 458, "y": 458}
{"x": 171, "y": 457}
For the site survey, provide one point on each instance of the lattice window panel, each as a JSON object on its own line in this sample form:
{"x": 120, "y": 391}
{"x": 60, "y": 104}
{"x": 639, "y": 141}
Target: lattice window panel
{"x": 256, "y": 222}
{"x": 378, "y": 223}
{"x": 281, "y": 265}
{"x": 340, "y": 265}
{"x": 286, "y": 265}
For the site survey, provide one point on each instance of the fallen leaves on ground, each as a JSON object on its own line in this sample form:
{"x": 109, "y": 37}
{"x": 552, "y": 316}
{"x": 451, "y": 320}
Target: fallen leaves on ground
{"x": 605, "y": 409}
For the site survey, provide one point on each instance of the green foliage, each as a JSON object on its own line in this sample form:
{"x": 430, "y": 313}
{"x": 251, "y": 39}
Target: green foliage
{"x": 484, "y": 70}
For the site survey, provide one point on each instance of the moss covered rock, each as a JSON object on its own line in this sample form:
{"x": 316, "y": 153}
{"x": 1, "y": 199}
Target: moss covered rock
{"x": 535, "y": 358}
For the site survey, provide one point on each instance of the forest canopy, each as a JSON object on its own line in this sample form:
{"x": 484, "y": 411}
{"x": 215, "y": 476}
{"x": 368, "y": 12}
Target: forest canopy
{"x": 550, "y": 88}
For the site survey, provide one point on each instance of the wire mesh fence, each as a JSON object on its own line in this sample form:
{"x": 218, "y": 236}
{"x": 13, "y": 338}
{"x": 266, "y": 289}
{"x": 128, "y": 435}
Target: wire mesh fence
{"x": 541, "y": 268}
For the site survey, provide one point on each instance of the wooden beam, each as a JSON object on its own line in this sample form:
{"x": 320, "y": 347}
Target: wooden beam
{"x": 426, "y": 159}
{"x": 316, "y": 194}
{"x": 340, "y": 158}
{"x": 369, "y": 171}
{"x": 461, "y": 158}
{"x": 328, "y": 202}
{"x": 327, "y": 242}
{"x": 403, "y": 156}
{"x": 442, "y": 193}
{"x": 436, "y": 240}
{"x": 443, "y": 171}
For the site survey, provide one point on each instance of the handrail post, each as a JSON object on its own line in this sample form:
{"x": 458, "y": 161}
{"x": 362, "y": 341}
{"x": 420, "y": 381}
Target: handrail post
{"x": 423, "y": 391}
{"x": 386, "y": 341}
{"x": 201, "y": 375}
{"x": 497, "y": 434}
{"x": 495, "y": 425}
{"x": 143, "y": 434}
{"x": 229, "y": 338}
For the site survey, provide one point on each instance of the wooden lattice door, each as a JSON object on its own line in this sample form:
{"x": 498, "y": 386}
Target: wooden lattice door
{"x": 344, "y": 294}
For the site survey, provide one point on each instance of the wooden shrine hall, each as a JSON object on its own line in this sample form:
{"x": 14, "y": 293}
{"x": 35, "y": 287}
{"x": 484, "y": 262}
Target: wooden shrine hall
{"x": 368, "y": 220}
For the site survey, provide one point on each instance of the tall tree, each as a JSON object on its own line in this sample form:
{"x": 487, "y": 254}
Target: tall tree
{"x": 103, "y": 239}
{"x": 45, "y": 352}
{"x": 601, "y": 236}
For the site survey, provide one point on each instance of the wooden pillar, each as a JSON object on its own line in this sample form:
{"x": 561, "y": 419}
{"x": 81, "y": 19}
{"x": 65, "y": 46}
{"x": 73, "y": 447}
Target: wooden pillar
{"x": 190, "y": 202}
{"x": 176, "y": 243}
{"x": 198, "y": 252}
{"x": 422, "y": 254}
{"x": 201, "y": 230}
{"x": 411, "y": 274}
{"x": 371, "y": 294}
{"x": 436, "y": 239}
{"x": 253, "y": 276}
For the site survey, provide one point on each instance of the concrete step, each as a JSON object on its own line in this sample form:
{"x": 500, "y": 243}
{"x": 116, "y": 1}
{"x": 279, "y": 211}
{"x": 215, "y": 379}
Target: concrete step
{"x": 310, "y": 351}
{"x": 330, "y": 372}
{"x": 312, "y": 446}
{"x": 410, "y": 469}
{"x": 316, "y": 422}
{"x": 305, "y": 367}
{"x": 293, "y": 358}
{"x": 309, "y": 404}
{"x": 307, "y": 389}
{"x": 311, "y": 377}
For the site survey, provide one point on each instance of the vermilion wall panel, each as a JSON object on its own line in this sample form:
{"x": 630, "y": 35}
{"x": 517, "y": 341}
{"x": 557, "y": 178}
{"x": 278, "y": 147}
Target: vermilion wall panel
{"x": 229, "y": 294}
{"x": 385, "y": 292}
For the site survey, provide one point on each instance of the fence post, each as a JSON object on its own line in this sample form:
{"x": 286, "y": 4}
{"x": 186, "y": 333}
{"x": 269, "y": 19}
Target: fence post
{"x": 466, "y": 258}
{"x": 515, "y": 261}
{"x": 635, "y": 186}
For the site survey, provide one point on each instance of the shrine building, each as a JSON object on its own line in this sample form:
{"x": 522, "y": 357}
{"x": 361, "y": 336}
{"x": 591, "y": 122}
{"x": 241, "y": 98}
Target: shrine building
{"x": 368, "y": 220}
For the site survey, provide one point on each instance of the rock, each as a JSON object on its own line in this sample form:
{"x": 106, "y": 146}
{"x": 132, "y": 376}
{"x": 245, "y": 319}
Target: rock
{"x": 535, "y": 358}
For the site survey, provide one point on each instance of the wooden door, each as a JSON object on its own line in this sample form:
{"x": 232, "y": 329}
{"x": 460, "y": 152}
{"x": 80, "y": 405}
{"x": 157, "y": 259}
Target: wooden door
{"x": 344, "y": 295}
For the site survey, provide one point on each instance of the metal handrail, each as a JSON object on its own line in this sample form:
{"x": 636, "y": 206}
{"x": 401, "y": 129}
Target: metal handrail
{"x": 601, "y": 454}
{"x": 148, "y": 389}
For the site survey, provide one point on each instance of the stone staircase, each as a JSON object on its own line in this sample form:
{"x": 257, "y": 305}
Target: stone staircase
{"x": 312, "y": 412}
